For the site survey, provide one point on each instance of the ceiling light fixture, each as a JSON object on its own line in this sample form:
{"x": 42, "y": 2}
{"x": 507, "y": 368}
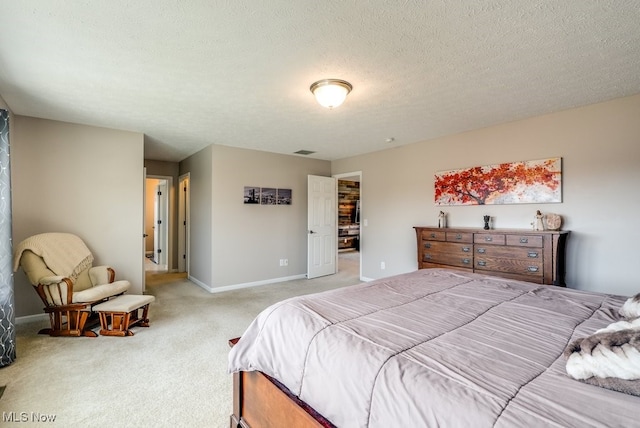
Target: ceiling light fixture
{"x": 331, "y": 93}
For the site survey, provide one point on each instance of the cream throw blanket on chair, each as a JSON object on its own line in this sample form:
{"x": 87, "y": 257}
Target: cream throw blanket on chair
{"x": 65, "y": 254}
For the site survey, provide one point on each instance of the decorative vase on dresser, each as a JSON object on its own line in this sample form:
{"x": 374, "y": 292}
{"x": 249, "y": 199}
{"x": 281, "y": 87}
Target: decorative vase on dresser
{"x": 526, "y": 255}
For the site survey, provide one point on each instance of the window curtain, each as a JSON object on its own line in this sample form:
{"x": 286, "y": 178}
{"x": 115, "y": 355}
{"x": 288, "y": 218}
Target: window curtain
{"x": 7, "y": 312}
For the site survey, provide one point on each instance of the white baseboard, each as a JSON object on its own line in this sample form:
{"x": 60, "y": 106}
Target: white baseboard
{"x": 199, "y": 283}
{"x": 244, "y": 285}
{"x": 31, "y": 318}
{"x": 365, "y": 279}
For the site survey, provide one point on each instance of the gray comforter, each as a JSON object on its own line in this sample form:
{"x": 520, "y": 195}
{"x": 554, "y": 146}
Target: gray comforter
{"x": 437, "y": 348}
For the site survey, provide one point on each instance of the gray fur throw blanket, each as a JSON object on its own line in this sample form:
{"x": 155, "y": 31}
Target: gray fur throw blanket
{"x": 631, "y": 308}
{"x": 610, "y": 358}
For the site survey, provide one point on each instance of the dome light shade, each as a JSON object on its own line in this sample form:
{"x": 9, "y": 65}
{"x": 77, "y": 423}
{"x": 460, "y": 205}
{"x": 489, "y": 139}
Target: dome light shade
{"x": 331, "y": 93}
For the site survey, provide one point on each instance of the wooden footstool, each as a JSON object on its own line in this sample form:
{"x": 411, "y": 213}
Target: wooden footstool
{"x": 122, "y": 313}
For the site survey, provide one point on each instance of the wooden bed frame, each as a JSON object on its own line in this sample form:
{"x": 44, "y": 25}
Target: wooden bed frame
{"x": 261, "y": 401}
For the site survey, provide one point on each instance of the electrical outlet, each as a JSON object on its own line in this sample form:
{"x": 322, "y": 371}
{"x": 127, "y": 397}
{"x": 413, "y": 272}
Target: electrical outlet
{"x": 281, "y": 262}
{"x": 286, "y": 262}
{"x": 383, "y": 266}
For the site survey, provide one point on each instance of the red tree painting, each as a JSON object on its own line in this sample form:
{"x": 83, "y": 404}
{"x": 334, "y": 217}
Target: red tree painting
{"x": 538, "y": 181}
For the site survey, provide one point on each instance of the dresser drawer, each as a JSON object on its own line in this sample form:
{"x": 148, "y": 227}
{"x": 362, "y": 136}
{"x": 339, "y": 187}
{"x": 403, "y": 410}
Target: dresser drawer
{"x": 434, "y": 235}
{"x": 525, "y": 240}
{"x": 519, "y": 267}
{"x": 508, "y": 252}
{"x": 516, "y": 260}
{"x": 489, "y": 238}
{"x": 459, "y": 237}
{"x": 448, "y": 253}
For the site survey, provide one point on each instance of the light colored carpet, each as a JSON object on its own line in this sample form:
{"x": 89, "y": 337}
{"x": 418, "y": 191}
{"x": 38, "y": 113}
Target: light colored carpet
{"x": 170, "y": 374}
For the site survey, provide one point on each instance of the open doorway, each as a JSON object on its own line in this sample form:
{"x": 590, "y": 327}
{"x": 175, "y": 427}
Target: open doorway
{"x": 349, "y": 231}
{"x": 156, "y": 246}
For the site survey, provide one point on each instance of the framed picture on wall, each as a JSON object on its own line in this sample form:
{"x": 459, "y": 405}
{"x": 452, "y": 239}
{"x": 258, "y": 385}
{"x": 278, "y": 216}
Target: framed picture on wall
{"x": 251, "y": 195}
{"x": 267, "y": 196}
{"x": 284, "y": 197}
{"x": 535, "y": 181}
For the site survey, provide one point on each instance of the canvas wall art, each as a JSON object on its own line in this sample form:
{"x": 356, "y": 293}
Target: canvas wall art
{"x": 526, "y": 182}
{"x": 284, "y": 196}
{"x": 267, "y": 196}
{"x": 251, "y": 195}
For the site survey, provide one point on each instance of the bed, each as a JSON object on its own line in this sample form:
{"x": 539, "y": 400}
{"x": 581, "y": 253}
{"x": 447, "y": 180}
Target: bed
{"x": 435, "y": 347}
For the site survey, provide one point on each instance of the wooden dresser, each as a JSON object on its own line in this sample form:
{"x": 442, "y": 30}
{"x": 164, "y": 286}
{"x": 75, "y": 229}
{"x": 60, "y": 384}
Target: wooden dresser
{"x": 527, "y": 255}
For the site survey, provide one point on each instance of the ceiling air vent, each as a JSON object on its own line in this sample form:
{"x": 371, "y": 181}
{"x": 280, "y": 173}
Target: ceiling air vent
{"x": 304, "y": 152}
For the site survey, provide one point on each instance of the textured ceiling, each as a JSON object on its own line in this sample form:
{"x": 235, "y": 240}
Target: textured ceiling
{"x": 191, "y": 73}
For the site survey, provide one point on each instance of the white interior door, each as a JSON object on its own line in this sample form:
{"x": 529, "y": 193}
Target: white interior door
{"x": 144, "y": 227}
{"x": 183, "y": 224}
{"x": 160, "y": 223}
{"x": 157, "y": 220}
{"x": 321, "y": 226}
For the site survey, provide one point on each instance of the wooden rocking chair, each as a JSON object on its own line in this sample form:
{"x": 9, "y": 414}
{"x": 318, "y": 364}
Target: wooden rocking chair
{"x": 59, "y": 265}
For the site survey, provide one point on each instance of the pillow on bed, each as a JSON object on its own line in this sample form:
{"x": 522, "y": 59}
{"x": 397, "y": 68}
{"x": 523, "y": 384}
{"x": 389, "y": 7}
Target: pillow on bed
{"x": 631, "y": 308}
{"x": 610, "y": 358}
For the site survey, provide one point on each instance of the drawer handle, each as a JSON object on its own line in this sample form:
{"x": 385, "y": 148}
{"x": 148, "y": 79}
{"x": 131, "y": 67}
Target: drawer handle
{"x": 482, "y": 250}
{"x": 427, "y": 245}
{"x": 488, "y": 238}
{"x": 532, "y": 254}
{"x": 532, "y": 268}
{"x": 466, "y": 261}
{"x": 524, "y": 240}
{"x": 458, "y": 237}
{"x": 433, "y": 235}
{"x": 466, "y": 249}
{"x": 482, "y": 263}
{"x": 427, "y": 256}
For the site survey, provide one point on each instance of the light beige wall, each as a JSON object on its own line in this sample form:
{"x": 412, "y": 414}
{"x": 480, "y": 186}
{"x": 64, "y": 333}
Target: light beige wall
{"x": 79, "y": 179}
{"x": 199, "y": 166}
{"x": 233, "y": 244}
{"x": 250, "y": 240}
{"x": 3, "y": 104}
{"x": 600, "y": 147}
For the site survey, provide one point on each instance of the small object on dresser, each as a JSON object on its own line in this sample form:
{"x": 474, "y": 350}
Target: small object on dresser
{"x": 442, "y": 220}
{"x": 538, "y": 225}
{"x": 554, "y": 221}
{"x": 486, "y": 222}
